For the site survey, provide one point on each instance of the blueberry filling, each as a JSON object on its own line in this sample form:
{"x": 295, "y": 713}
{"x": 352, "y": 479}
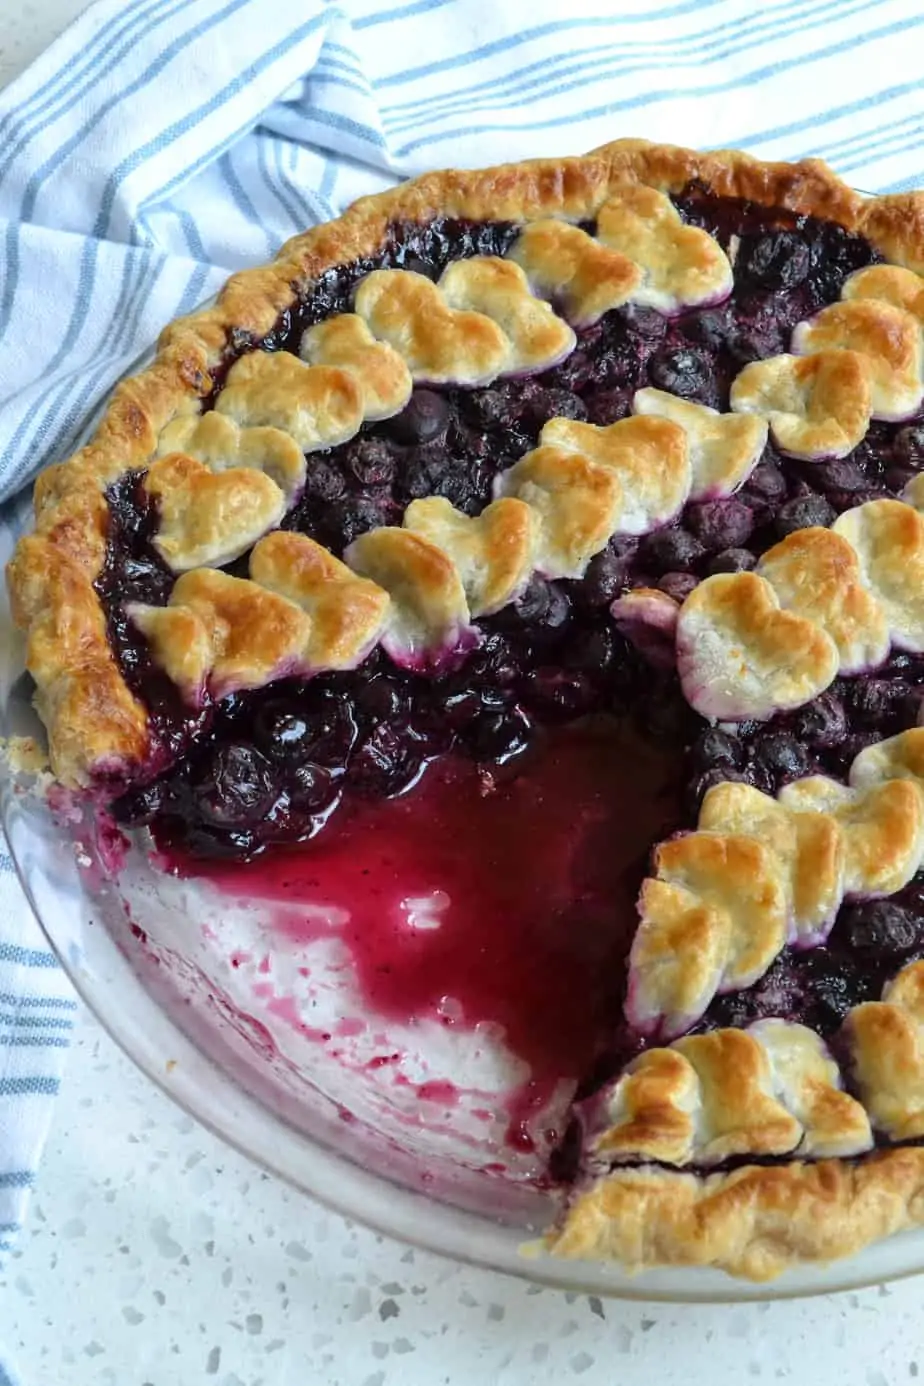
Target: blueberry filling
{"x": 276, "y": 766}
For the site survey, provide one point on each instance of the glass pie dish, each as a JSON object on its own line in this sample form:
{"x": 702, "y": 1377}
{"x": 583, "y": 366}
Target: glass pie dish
{"x": 395, "y": 1158}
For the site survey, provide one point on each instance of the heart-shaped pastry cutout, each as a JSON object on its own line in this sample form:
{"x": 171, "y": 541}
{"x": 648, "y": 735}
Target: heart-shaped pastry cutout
{"x": 348, "y": 613}
{"x": 816, "y": 573}
{"x": 227, "y": 630}
{"x": 566, "y": 265}
{"x": 723, "y": 448}
{"x": 438, "y": 345}
{"x": 648, "y": 455}
{"x": 681, "y": 265}
{"x": 209, "y": 518}
{"x": 817, "y": 406}
{"x": 889, "y": 284}
{"x": 381, "y": 374}
{"x": 494, "y": 552}
{"x": 428, "y": 619}
{"x": 740, "y": 656}
{"x": 885, "y": 1040}
{"x": 499, "y": 288}
{"x": 887, "y": 337}
{"x": 577, "y": 502}
{"x": 319, "y": 406}
{"x": 221, "y": 444}
{"x": 648, "y": 617}
{"x": 888, "y": 538}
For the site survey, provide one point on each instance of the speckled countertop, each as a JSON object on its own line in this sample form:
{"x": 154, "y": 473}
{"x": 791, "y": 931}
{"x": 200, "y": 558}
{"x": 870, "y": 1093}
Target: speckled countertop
{"x": 153, "y": 1256}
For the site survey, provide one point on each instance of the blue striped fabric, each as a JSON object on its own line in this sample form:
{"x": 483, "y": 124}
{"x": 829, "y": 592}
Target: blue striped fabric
{"x": 161, "y": 144}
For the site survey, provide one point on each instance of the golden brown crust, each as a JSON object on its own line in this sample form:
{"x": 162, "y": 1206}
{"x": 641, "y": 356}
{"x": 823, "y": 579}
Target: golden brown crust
{"x": 190, "y": 349}
{"x": 756, "y": 1221}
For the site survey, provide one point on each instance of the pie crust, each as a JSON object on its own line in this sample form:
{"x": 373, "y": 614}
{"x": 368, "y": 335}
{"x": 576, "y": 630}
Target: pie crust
{"x": 224, "y": 479}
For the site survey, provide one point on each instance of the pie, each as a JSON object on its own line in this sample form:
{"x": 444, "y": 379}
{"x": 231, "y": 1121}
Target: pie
{"x": 563, "y": 521}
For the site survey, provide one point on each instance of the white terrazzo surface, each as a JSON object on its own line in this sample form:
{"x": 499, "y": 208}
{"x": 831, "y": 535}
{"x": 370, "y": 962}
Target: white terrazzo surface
{"x": 153, "y": 1256}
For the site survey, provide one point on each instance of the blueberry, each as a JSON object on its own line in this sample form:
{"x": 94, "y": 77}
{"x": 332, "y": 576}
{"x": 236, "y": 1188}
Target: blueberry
{"x": 874, "y": 701}
{"x": 710, "y": 329}
{"x": 670, "y": 550}
{"x": 591, "y": 650}
{"x": 236, "y": 786}
{"x": 622, "y": 363}
{"x": 607, "y": 573}
{"x": 140, "y": 806}
{"x": 552, "y": 404}
{"x": 715, "y": 750}
{"x": 381, "y": 698}
{"x": 372, "y": 462}
{"x": 839, "y": 474}
{"x": 492, "y": 408}
{"x": 782, "y": 755}
{"x": 766, "y": 483}
{"x": 909, "y": 446}
{"x": 312, "y": 788}
{"x": 803, "y": 512}
{"x": 462, "y": 705}
{"x": 606, "y": 406}
{"x": 834, "y": 986}
{"x": 644, "y": 322}
{"x": 684, "y": 371}
{"x": 424, "y": 419}
{"x": 677, "y": 585}
{"x": 574, "y": 372}
{"x": 700, "y": 785}
{"x": 500, "y": 736}
{"x": 322, "y": 481}
{"x": 778, "y": 260}
{"x": 543, "y": 604}
{"x": 822, "y": 723}
{"x": 558, "y": 693}
{"x": 467, "y": 489}
{"x": 732, "y": 561}
{"x": 282, "y": 732}
{"x": 880, "y": 928}
{"x": 720, "y": 524}
{"x": 145, "y": 579}
{"x": 386, "y": 763}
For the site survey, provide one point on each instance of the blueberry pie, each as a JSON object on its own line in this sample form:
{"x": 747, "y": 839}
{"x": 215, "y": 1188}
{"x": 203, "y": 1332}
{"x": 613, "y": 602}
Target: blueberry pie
{"x": 561, "y": 524}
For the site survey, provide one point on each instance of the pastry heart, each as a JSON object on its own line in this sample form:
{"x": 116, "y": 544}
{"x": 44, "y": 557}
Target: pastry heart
{"x": 209, "y": 518}
{"x": 888, "y": 538}
{"x": 381, "y": 374}
{"x": 817, "y": 406}
{"x": 681, "y": 265}
{"x": 499, "y": 288}
{"x": 740, "y": 656}
{"x": 319, "y": 406}
{"x": 577, "y": 502}
{"x": 888, "y": 338}
{"x": 494, "y": 553}
{"x": 220, "y": 443}
{"x": 723, "y": 448}
{"x": 889, "y": 284}
{"x": 437, "y": 343}
{"x": 565, "y": 264}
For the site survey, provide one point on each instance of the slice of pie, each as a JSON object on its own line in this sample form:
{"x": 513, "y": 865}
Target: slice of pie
{"x": 558, "y": 527}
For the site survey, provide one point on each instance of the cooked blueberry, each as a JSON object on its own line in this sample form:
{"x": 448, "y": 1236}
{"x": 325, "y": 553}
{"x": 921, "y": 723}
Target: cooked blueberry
{"x": 424, "y": 419}
{"x": 720, "y": 524}
{"x": 880, "y": 928}
{"x": 468, "y": 489}
{"x": 779, "y": 260}
{"x": 802, "y": 512}
{"x": 663, "y": 714}
{"x": 732, "y": 561}
{"x": 543, "y": 604}
{"x": 351, "y": 518}
{"x": 909, "y": 446}
{"x": 710, "y": 329}
{"x": 574, "y": 372}
{"x": 780, "y": 753}
{"x": 140, "y": 806}
{"x": 372, "y": 462}
{"x": 147, "y": 579}
{"x": 591, "y": 650}
{"x": 558, "y": 693}
{"x": 833, "y": 984}
{"x": 606, "y": 406}
{"x": 235, "y": 787}
{"x": 670, "y": 550}
{"x": 822, "y": 723}
{"x": 282, "y": 732}
{"x": 322, "y": 481}
{"x": 619, "y": 364}
{"x": 499, "y": 736}
{"x": 312, "y": 788}
{"x": 766, "y": 483}
{"x": 874, "y": 701}
{"x": 492, "y": 408}
{"x": 386, "y": 763}
{"x": 700, "y": 785}
{"x": 839, "y": 474}
{"x": 677, "y": 585}
{"x": 644, "y": 322}
{"x": 607, "y": 572}
{"x": 683, "y": 371}
{"x": 381, "y": 698}
{"x": 715, "y": 750}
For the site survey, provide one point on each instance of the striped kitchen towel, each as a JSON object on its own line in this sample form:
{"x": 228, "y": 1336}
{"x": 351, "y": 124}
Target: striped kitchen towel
{"x": 162, "y": 143}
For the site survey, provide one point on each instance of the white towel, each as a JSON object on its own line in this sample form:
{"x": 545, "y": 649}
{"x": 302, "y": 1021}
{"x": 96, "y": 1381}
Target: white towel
{"x": 162, "y": 143}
